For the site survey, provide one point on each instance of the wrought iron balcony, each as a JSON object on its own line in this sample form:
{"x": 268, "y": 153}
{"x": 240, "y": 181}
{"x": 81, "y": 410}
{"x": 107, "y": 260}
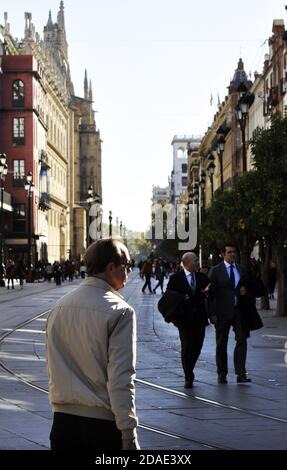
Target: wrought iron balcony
{"x": 44, "y": 202}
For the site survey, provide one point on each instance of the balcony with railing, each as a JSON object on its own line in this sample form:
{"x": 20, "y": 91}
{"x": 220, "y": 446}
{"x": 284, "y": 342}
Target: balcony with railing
{"x": 18, "y": 180}
{"x": 44, "y": 201}
{"x": 273, "y": 97}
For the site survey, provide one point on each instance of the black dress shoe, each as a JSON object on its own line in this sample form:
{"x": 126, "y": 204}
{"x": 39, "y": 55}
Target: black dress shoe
{"x": 222, "y": 380}
{"x": 242, "y": 379}
{"x": 188, "y": 384}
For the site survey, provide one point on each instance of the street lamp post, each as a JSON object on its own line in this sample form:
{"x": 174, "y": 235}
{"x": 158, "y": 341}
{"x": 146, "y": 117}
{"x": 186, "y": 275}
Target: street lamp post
{"x": 201, "y": 207}
{"x": 89, "y": 199}
{"x": 220, "y": 150}
{"x": 210, "y": 169}
{"x": 245, "y": 100}
{"x": 3, "y": 173}
{"x": 93, "y": 198}
{"x": 29, "y": 186}
{"x": 202, "y": 183}
{"x": 110, "y": 223}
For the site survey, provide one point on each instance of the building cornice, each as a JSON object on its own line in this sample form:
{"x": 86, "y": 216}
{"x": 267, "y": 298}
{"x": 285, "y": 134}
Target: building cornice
{"x": 59, "y": 202}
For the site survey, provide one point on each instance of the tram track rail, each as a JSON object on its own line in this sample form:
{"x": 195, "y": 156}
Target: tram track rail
{"x": 144, "y": 383}
{"x": 23, "y": 294}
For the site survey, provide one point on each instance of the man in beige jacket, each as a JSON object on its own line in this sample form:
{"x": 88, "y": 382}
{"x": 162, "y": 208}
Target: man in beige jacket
{"x": 91, "y": 354}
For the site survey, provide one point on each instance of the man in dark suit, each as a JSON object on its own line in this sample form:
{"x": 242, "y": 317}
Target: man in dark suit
{"x": 224, "y": 313}
{"x": 192, "y": 324}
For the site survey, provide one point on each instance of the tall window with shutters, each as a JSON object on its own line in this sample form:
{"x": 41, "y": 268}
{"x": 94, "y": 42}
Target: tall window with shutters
{"x": 18, "y": 131}
{"x": 18, "y": 173}
{"x": 18, "y": 94}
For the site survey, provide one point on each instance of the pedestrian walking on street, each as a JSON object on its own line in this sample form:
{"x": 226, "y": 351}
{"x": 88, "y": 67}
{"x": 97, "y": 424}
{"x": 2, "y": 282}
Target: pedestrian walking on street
{"x": 225, "y": 313}
{"x": 57, "y": 273}
{"x": 191, "y": 325}
{"x": 159, "y": 275}
{"x": 10, "y": 273}
{"x": 20, "y": 271}
{"x": 82, "y": 270}
{"x": 147, "y": 273}
{"x": 91, "y": 344}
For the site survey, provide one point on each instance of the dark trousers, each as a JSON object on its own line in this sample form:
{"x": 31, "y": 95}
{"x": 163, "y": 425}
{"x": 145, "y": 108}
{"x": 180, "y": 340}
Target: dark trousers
{"x": 147, "y": 283}
{"x": 71, "y": 432}
{"x": 223, "y": 326}
{"x": 191, "y": 338}
{"x": 159, "y": 284}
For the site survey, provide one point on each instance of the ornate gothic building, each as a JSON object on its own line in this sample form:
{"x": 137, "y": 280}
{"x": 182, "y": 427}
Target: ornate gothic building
{"x": 47, "y": 131}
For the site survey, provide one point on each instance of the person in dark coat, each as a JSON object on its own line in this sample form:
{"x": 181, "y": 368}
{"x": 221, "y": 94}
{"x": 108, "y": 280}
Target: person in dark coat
{"x": 147, "y": 273}
{"x": 20, "y": 272}
{"x": 159, "y": 275}
{"x": 254, "y": 287}
{"x": 225, "y": 313}
{"x": 191, "y": 325}
{"x": 10, "y": 273}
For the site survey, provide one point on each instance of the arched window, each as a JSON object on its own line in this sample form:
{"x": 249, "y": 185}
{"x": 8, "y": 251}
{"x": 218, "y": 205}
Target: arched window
{"x": 18, "y": 94}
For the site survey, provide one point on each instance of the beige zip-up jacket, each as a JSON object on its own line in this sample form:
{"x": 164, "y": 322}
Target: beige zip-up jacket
{"x": 91, "y": 355}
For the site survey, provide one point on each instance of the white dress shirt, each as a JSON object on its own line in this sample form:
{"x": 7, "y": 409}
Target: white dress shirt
{"x": 235, "y": 270}
{"x": 189, "y": 277}
{"x": 236, "y": 275}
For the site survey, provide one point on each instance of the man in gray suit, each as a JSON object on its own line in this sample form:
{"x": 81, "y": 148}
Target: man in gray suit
{"x": 224, "y": 313}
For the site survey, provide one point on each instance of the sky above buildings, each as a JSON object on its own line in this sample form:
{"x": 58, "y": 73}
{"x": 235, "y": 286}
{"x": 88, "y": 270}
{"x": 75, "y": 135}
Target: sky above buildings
{"x": 158, "y": 68}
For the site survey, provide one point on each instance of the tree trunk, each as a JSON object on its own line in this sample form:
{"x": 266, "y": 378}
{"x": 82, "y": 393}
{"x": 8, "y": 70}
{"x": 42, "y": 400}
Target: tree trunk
{"x": 280, "y": 260}
{"x": 245, "y": 252}
{"x": 265, "y": 255}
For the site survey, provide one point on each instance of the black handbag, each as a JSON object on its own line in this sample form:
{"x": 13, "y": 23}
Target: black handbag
{"x": 171, "y": 306}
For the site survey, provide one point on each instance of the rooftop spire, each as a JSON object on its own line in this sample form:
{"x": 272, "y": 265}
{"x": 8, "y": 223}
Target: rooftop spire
{"x": 61, "y": 16}
{"x": 240, "y": 75}
{"x": 50, "y": 22}
{"x": 240, "y": 65}
{"x": 90, "y": 91}
{"x": 86, "y": 88}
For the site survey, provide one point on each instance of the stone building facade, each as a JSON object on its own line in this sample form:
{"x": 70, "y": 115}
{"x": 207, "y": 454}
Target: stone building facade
{"x": 179, "y": 176}
{"x": 48, "y": 131}
{"x": 225, "y": 127}
{"x": 87, "y": 161}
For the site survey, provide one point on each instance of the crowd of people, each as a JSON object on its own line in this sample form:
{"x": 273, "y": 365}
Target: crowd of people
{"x": 59, "y": 271}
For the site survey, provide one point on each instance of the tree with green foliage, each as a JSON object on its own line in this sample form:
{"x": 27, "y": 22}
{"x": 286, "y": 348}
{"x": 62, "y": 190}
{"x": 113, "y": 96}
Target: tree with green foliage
{"x": 269, "y": 150}
{"x": 230, "y": 218}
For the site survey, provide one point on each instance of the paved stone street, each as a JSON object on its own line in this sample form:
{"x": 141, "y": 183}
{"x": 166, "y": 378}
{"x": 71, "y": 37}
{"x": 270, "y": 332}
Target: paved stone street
{"x": 210, "y": 416}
